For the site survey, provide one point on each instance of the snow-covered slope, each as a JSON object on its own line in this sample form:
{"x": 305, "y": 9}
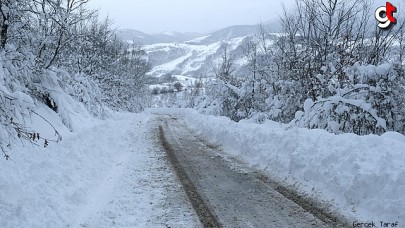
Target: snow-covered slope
{"x": 190, "y": 59}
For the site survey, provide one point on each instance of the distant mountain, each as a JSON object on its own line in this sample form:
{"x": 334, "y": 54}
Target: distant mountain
{"x": 226, "y": 34}
{"x": 236, "y": 31}
{"x": 196, "y": 55}
{"x": 170, "y": 37}
{"x": 131, "y": 35}
{"x": 134, "y": 36}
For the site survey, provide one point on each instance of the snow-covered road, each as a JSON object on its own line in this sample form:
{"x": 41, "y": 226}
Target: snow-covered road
{"x": 117, "y": 173}
{"x": 227, "y": 193}
{"x": 140, "y": 190}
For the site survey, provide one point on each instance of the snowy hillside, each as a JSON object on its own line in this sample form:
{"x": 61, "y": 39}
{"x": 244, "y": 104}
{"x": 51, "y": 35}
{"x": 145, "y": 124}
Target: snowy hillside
{"x": 190, "y": 59}
{"x": 192, "y": 54}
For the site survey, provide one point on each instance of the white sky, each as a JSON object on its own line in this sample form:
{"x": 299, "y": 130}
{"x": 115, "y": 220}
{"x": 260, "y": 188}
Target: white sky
{"x": 155, "y": 16}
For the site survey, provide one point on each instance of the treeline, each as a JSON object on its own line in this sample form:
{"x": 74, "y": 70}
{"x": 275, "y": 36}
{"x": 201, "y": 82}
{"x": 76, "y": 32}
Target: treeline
{"x": 331, "y": 68}
{"x": 57, "y": 52}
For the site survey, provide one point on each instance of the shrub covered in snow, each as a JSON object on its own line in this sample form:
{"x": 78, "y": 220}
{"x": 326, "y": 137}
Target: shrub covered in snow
{"x": 370, "y": 102}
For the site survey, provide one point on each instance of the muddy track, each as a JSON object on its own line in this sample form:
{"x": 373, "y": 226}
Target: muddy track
{"x": 207, "y": 218}
{"x": 225, "y": 196}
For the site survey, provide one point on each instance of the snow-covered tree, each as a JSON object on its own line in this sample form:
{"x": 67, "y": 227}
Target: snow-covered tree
{"x": 222, "y": 94}
{"x": 330, "y": 68}
{"x": 56, "y": 52}
{"x": 340, "y": 68}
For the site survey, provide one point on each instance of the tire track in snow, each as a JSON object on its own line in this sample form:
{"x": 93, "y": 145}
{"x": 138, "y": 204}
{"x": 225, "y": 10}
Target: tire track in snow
{"x": 140, "y": 189}
{"x": 232, "y": 197}
{"x": 204, "y": 212}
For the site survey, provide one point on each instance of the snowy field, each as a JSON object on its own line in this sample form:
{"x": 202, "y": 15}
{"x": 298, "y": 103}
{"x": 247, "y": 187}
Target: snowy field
{"x": 364, "y": 176}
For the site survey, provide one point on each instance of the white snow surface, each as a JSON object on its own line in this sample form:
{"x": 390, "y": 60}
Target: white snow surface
{"x": 362, "y": 176}
{"x": 107, "y": 174}
{"x": 112, "y": 173}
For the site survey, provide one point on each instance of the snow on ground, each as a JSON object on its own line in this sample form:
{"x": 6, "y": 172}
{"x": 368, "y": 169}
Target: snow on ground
{"x": 112, "y": 173}
{"x": 189, "y": 81}
{"x": 170, "y": 65}
{"x": 160, "y": 86}
{"x": 198, "y": 40}
{"x": 364, "y": 176}
{"x": 109, "y": 174}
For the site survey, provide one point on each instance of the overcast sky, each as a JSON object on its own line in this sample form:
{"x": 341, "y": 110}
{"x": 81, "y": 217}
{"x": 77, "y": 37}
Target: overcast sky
{"x": 155, "y": 16}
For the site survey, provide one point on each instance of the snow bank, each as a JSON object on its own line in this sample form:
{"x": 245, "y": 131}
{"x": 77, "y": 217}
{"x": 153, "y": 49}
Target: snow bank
{"x": 48, "y": 187}
{"x": 364, "y": 176}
